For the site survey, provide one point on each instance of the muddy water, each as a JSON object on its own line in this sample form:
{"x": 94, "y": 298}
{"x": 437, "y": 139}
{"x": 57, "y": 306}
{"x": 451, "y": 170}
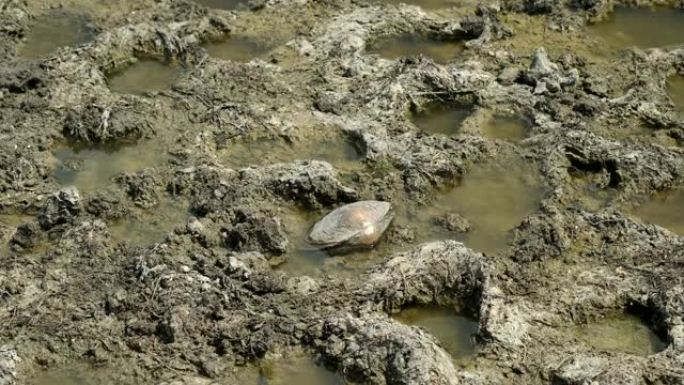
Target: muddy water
{"x": 306, "y": 259}
{"x": 642, "y": 27}
{"x": 394, "y": 47}
{"x": 238, "y": 49}
{"x": 455, "y": 333}
{"x": 665, "y": 209}
{"x": 90, "y": 169}
{"x": 144, "y": 76}
{"x": 54, "y": 30}
{"x": 504, "y": 127}
{"x": 442, "y": 119}
{"x": 429, "y": 4}
{"x": 148, "y": 227}
{"x": 296, "y": 371}
{"x": 493, "y": 198}
{"x": 333, "y": 149}
{"x": 675, "y": 88}
{"x": 223, "y": 4}
{"x": 623, "y": 333}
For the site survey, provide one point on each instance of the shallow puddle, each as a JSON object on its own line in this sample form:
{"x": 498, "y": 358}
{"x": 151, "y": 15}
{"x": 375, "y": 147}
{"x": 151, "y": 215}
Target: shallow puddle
{"x": 151, "y": 226}
{"x": 54, "y": 30}
{"x": 664, "y": 209}
{"x": 624, "y": 333}
{"x": 90, "y": 169}
{"x": 492, "y": 198}
{"x": 223, "y": 4}
{"x": 238, "y": 49}
{"x": 144, "y": 76}
{"x": 394, "y": 47}
{"x": 443, "y": 119}
{"x": 456, "y": 333}
{"x": 305, "y": 259}
{"x": 504, "y": 127}
{"x": 430, "y": 4}
{"x": 296, "y": 371}
{"x": 642, "y": 27}
{"x": 675, "y": 88}
{"x": 334, "y": 150}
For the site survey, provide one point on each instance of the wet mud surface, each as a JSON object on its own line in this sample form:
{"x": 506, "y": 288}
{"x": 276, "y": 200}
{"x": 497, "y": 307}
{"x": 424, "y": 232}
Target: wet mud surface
{"x": 162, "y": 163}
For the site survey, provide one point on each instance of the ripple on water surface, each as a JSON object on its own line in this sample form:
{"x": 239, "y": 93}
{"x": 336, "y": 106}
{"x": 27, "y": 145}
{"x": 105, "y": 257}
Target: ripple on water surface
{"x": 456, "y": 333}
{"x": 147, "y": 75}
{"x": 624, "y": 333}
{"x": 56, "y": 29}
{"x": 664, "y": 209}
{"x": 90, "y": 169}
{"x": 642, "y": 27}
{"x": 408, "y": 45}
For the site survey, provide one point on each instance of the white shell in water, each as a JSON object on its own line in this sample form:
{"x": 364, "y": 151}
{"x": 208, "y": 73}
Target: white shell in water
{"x": 359, "y": 224}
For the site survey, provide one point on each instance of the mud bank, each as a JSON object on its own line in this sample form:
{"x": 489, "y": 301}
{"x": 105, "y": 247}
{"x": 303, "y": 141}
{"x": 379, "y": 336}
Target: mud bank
{"x": 205, "y": 293}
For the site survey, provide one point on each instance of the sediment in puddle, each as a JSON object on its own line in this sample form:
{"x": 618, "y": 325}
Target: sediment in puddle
{"x": 456, "y": 333}
{"x": 442, "y": 118}
{"x": 54, "y": 30}
{"x": 409, "y": 45}
{"x": 624, "y": 333}
{"x": 665, "y": 209}
{"x": 642, "y": 27}
{"x": 145, "y": 75}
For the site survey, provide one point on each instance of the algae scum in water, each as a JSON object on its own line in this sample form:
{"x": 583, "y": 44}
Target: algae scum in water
{"x": 642, "y": 27}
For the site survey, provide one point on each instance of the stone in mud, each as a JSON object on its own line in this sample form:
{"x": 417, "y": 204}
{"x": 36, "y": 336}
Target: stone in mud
{"x": 359, "y": 224}
{"x": 453, "y": 222}
{"x": 26, "y": 237}
{"x": 60, "y": 208}
{"x": 252, "y": 230}
{"x": 547, "y": 76}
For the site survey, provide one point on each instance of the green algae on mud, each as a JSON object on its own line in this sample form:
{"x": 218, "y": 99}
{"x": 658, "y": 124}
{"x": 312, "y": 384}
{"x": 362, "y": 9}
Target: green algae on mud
{"x": 234, "y": 48}
{"x": 442, "y": 118}
{"x": 642, "y": 27}
{"x": 54, "y": 30}
{"x": 624, "y": 333}
{"x": 93, "y": 168}
{"x": 143, "y": 76}
{"x": 664, "y": 209}
{"x": 456, "y": 333}
{"x": 409, "y": 45}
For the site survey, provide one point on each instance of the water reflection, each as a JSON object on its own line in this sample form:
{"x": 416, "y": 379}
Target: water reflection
{"x": 642, "y": 27}
{"x": 442, "y": 118}
{"x": 144, "y": 76}
{"x": 54, "y": 30}
{"x": 394, "y": 47}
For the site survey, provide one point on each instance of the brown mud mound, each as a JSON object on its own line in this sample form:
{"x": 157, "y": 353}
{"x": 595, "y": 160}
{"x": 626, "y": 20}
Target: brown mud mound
{"x": 153, "y": 231}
